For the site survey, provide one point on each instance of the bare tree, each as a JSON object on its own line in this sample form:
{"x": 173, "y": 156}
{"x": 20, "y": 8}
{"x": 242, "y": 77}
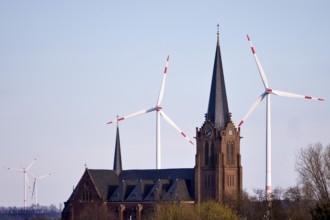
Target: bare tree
{"x": 313, "y": 167}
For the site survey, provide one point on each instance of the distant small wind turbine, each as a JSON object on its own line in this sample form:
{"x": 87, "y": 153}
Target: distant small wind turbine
{"x": 159, "y": 112}
{"x": 26, "y": 180}
{"x": 35, "y": 185}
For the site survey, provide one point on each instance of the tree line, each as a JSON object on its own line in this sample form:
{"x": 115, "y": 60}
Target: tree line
{"x": 32, "y": 213}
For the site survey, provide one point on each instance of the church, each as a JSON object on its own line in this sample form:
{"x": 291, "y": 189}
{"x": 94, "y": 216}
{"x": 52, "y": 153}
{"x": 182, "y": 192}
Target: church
{"x": 131, "y": 194}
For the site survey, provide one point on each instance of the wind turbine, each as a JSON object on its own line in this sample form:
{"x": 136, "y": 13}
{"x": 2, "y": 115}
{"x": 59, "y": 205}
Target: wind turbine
{"x": 35, "y": 185}
{"x": 267, "y": 93}
{"x": 26, "y": 180}
{"x": 159, "y": 112}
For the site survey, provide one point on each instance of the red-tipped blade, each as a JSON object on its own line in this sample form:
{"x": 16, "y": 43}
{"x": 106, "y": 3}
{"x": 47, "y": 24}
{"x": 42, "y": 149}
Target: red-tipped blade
{"x": 293, "y": 95}
{"x": 261, "y": 70}
{"x": 241, "y": 122}
{"x": 133, "y": 115}
{"x": 168, "y": 120}
{"x": 162, "y": 87}
{"x": 253, "y": 107}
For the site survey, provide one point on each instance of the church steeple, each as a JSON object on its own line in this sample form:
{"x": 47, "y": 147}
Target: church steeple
{"x": 117, "y": 166}
{"x": 218, "y": 110}
{"x": 218, "y": 169}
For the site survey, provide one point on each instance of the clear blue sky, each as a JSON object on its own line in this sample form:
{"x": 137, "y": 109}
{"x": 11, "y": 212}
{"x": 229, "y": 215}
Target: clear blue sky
{"x": 68, "y": 67}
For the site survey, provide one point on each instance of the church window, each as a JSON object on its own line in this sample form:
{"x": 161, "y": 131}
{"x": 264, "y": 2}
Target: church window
{"x": 87, "y": 195}
{"x": 232, "y": 152}
{"x": 212, "y": 156}
{"x": 206, "y": 156}
{"x": 228, "y": 152}
{"x": 230, "y": 180}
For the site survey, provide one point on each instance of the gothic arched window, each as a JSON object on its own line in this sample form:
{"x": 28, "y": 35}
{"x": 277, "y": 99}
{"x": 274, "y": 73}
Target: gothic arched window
{"x": 87, "y": 195}
{"x": 232, "y": 152}
{"x": 228, "y": 153}
{"x": 212, "y": 156}
{"x": 206, "y": 156}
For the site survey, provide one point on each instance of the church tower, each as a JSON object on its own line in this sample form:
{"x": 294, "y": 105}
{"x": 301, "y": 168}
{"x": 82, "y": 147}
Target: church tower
{"x": 218, "y": 169}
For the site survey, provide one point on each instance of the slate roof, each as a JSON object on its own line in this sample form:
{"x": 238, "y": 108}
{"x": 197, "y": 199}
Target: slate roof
{"x": 177, "y": 192}
{"x": 184, "y": 173}
{"x": 102, "y": 179}
{"x": 158, "y": 190}
{"x": 139, "y": 192}
{"x": 144, "y": 185}
{"x": 167, "y": 176}
{"x": 218, "y": 110}
{"x": 123, "y": 190}
{"x": 117, "y": 166}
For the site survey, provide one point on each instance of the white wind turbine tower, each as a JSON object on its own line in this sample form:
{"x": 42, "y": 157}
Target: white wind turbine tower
{"x": 267, "y": 93}
{"x": 26, "y": 180}
{"x": 35, "y": 185}
{"x": 159, "y": 112}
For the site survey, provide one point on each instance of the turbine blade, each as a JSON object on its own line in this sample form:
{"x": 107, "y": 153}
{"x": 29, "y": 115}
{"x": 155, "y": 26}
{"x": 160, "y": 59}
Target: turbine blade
{"x": 31, "y": 164}
{"x": 134, "y": 114}
{"x": 261, "y": 70}
{"x": 161, "y": 92}
{"x": 252, "y": 108}
{"x": 27, "y": 181}
{"x": 34, "y": 186}
{"x": 293, "y": 95}
{"x": 41, "y": 177}
{"x": 14, "y": 169}
{"x": 168, "y": 120}
{"x": 31, "y": 174}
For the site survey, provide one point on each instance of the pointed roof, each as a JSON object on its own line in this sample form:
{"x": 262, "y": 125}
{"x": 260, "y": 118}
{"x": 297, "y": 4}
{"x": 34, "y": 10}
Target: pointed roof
{"x": 218, "y": 111}
{"x": 102, "y": 179}
{"x": 123, "y": 190}
{"x": 141, "y": 189}
{"x": 178, "y": 192}
{"x": 117, "y": 166}
{"x": 158, "y": 190}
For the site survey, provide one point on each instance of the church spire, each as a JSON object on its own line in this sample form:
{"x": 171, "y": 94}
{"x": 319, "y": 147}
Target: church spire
{"x": 117, "y": 161}
{"x": 218, "y": 110}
